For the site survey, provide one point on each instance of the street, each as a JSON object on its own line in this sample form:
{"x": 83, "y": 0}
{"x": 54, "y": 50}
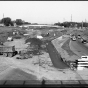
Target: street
{"x": 79, "y": 48}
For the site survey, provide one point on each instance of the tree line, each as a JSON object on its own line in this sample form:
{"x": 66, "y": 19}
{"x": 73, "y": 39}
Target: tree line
{"x": 7, "y": 21}
{"x": 72, "y": 24}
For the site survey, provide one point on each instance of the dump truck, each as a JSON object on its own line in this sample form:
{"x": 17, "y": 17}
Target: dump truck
{"x": 7, "y": 50}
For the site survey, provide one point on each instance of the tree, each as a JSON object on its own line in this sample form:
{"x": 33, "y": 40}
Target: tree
{"x": 27, "y": 23}
{"x": 34, "y": 42}
{"x": 57, "y": 23}
{"x": 19, "y": 22}
{"x": 7, "y": 21}
{"x": 12, "y": 23}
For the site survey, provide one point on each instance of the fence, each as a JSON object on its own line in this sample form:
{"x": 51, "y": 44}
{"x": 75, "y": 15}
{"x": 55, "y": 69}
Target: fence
{"x": 59, "y": 83}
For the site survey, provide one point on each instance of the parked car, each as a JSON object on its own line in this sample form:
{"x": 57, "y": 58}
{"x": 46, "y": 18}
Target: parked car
{"x": 84, "y": 41}
{"x": 73, "y": 38}
{"x": 79, "y": 36}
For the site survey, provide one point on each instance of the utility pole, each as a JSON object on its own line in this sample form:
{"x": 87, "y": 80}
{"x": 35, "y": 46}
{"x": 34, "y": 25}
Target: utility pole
{"x": 82, "y": 24}
{"x": 3, "y": 18}
{"x": 71, "y": 20}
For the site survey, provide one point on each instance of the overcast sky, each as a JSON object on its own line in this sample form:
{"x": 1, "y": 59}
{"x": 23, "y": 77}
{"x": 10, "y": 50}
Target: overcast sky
{"x": 45, "y": 11}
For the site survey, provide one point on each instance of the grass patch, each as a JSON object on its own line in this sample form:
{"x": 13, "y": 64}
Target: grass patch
{"x": 66, "y": 47}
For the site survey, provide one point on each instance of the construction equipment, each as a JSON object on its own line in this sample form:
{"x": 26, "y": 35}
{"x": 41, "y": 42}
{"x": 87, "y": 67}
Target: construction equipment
{"x": 24, "y": 54}
{"x": 28, "y": 53}
{"x": 7, "y": 50}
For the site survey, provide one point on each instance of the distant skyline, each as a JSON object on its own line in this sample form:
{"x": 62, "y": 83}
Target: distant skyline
{"x": 45, "y": 12}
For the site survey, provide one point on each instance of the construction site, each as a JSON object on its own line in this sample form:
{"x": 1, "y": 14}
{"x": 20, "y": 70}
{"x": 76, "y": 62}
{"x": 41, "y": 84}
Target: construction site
{"x": 43, "y": 44}
{"x": 37, "y": 55}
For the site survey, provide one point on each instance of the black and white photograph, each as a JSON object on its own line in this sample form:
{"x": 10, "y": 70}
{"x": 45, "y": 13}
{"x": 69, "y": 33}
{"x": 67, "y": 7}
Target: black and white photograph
{"x": 43, "y": 42}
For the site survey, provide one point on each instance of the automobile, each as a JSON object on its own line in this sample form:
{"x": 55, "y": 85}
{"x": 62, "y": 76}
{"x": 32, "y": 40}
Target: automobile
{"x": 73, "y": 38}
{"x": 84, "y": 41}
{"x": 79, "y": 37}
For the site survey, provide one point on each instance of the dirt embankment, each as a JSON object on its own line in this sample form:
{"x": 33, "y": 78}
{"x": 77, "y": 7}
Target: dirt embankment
{"x": 64, "y": 49}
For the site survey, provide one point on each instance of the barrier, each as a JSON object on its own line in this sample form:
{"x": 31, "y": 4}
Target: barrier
{"x": 83, "y": 62}
{"x": 47, "y": 83}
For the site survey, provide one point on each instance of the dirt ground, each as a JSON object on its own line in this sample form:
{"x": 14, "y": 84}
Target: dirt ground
{"x": 40, "y": 66}
{"x": 83, "y": 73}
{"x": 29, "y": 66}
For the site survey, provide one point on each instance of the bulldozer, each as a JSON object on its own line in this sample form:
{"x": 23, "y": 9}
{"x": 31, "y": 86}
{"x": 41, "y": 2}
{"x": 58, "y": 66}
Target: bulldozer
{"x": 7, "y": 51}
